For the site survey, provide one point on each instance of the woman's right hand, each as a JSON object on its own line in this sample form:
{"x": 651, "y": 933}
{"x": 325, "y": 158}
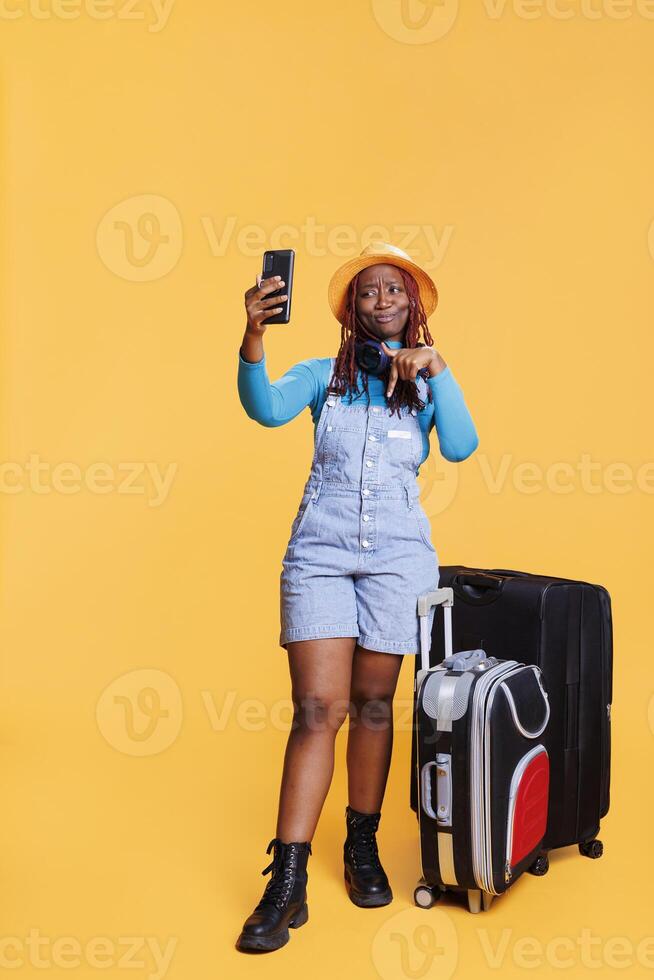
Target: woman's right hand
{"x": 259, "y": 307}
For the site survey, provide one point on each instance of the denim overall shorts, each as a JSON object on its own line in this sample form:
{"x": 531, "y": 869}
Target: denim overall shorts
{"x": 360, "y": 550}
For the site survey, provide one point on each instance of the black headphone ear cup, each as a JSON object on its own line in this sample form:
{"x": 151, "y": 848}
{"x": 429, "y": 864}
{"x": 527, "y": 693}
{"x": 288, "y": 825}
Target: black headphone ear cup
{"x": 365, "y": 353}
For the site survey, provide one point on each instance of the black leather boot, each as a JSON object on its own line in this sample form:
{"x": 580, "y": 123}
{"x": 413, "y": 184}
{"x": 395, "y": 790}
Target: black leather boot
{"x": 284, "y": 901}
{"x": 365, "y": 879}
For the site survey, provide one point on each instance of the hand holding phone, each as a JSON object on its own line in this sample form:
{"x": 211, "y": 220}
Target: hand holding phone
{"x": 280, "y": 262}
{"x": 259, "y": 305}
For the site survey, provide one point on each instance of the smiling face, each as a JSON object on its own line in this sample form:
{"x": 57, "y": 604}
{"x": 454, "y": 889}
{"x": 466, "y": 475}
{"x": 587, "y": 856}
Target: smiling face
{"x": 382, "y": 303}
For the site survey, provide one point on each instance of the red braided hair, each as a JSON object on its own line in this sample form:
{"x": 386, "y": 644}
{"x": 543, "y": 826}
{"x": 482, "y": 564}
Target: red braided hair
{"x": 346, "y": 368}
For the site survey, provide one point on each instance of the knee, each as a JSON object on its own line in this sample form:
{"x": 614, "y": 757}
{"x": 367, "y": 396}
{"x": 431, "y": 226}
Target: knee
{"x": 373, "y": 706}
{"x": 314, "y": 713}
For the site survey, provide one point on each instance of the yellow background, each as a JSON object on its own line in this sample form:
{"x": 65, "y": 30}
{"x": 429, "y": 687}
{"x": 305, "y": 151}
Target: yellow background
{"x": 522, "y": 137}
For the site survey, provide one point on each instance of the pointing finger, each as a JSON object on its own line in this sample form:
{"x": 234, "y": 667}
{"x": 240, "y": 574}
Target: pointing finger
{"x": 392, "y": 378}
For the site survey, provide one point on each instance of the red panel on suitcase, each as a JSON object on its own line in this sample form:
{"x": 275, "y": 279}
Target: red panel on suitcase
{"x": 530, "y": 815}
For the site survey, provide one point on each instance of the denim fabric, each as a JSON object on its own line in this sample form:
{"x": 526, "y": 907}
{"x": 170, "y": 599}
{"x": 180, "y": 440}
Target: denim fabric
{"x": 360, "y": 549}
{"x": 305, "y": 384}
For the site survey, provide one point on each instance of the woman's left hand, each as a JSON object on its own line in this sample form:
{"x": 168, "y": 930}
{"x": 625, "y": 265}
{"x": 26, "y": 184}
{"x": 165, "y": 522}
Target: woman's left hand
{"x": 407, "y": 361}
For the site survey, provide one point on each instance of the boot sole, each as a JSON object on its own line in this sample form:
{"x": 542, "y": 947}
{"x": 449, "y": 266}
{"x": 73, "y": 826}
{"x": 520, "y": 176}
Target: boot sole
{"x": 367, "y": 901}
{"x": 267, "y": 944}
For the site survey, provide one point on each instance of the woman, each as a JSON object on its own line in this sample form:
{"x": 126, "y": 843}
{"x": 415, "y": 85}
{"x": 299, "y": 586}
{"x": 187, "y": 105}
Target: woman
{"x": 358, "y": 556}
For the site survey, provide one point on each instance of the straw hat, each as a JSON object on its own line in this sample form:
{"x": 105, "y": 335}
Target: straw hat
{"x": 375, "y": 254}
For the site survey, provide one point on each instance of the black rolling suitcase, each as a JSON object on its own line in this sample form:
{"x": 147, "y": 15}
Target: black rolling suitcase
{"x": 564, "y": 627}
{"x": 482, "y": 768}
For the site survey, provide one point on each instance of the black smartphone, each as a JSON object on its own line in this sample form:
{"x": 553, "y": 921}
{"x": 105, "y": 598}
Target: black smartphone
{"x": 280, "y": 262}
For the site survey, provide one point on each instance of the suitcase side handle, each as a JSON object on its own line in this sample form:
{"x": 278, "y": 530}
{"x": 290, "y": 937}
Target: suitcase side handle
{"x": 443, "y": 812}
{"x": 435, "y": 597}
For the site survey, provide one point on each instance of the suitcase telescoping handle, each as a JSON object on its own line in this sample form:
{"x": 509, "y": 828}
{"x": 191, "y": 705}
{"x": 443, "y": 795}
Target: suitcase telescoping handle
{"x": 437, "y": 597}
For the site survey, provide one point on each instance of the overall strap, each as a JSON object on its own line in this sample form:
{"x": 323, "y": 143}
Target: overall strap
{"x": 332, "y": 399}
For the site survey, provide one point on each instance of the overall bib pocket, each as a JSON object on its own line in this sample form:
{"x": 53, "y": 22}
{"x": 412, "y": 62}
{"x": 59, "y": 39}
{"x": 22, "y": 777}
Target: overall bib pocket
{"x": 400, "y": 452}
{"x": 341, "y": 452}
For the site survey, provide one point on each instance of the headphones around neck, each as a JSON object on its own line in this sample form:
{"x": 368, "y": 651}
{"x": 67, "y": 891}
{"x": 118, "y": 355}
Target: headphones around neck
{"x": 371, "y": 358}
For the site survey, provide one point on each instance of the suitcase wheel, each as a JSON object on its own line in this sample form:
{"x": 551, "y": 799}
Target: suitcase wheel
{"x": 540, "y": 866}
{"x": 591, "y": 848}
{"x": 426, "y": 895}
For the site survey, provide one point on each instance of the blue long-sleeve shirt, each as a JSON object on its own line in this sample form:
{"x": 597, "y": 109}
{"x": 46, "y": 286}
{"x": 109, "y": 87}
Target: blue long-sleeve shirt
{"x": 305, "y": 384}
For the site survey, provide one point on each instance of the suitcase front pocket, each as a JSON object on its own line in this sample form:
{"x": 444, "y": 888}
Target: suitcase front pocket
{"x": 527, "y": 816}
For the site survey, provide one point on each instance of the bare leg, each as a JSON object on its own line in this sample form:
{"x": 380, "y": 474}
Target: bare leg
{"x": 370, "y": 735}
{"x": 321, "y": 672}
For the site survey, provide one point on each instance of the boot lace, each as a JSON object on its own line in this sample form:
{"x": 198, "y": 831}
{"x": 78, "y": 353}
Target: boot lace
{"x": 284, "y": 869}
{"x": 363, "y": 846}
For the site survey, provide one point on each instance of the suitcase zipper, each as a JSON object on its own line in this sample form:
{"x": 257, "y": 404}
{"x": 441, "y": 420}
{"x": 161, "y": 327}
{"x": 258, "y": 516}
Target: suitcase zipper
{"x": 483, "y": 860}
{"x": 606, "y": 670}
{"x": 486, "y": 857}
{"x": 481, "y": 826}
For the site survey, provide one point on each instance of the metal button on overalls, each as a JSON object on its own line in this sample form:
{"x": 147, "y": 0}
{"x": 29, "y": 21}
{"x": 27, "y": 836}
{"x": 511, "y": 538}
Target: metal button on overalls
{"x": 360, "y": 549}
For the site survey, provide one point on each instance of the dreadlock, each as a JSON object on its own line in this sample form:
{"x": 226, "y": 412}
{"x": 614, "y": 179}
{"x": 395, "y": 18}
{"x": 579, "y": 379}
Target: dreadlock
{"x": 346, "y": 368}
